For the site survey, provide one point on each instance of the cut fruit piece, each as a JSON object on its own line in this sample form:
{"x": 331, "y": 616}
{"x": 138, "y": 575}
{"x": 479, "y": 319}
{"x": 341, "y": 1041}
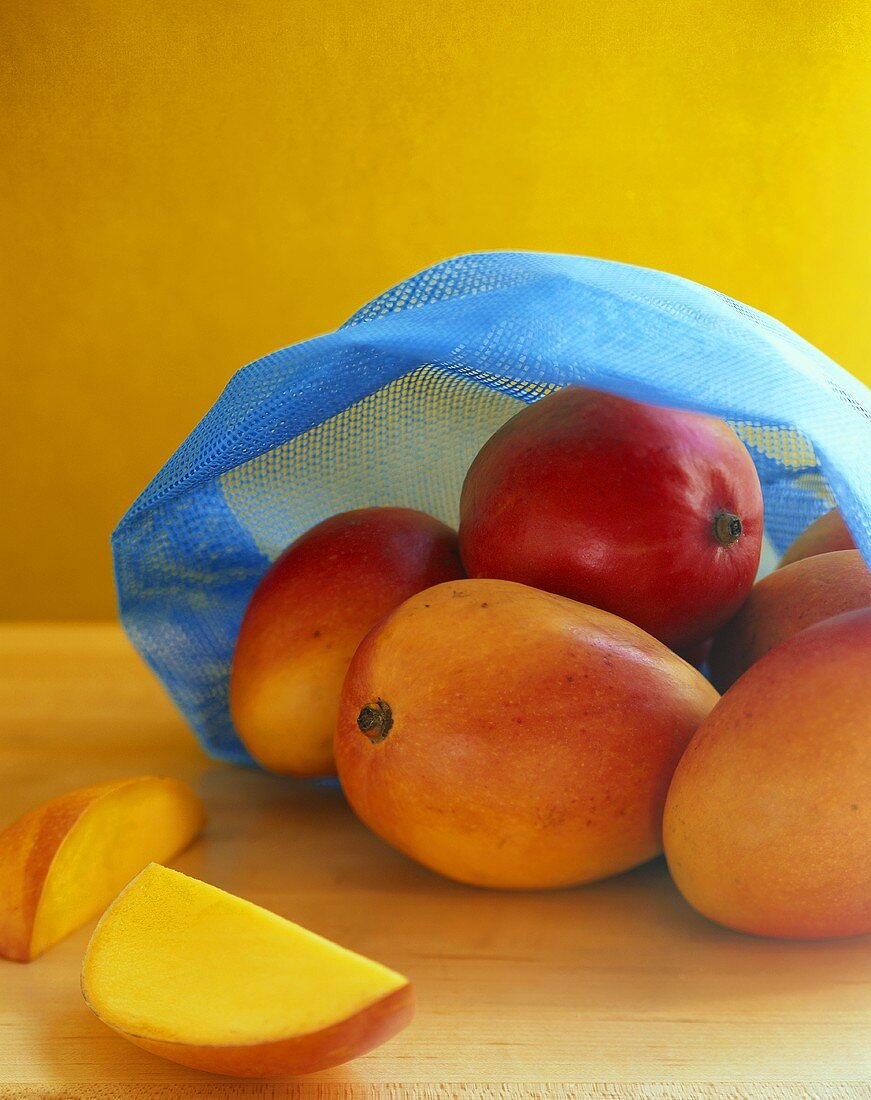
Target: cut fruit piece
{"x": 209, "y": 980}
{"x": 63, "y": 862}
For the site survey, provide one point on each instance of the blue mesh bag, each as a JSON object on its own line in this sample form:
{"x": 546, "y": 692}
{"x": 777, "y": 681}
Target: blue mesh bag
{"x": 392, "y": 407}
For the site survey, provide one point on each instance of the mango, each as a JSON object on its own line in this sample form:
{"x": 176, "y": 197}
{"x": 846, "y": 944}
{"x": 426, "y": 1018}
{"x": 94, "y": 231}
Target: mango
{"x": 651, "y": 513}
{"x": 507, "y": 737}
{"x": 201, "y": 977}
{"x": 64, "y": 861}
{"x": 824, "y": 535}
{"x": 307, "y": 616}
{"x": 768, "y": 819}
{"x": 788, "y": 600}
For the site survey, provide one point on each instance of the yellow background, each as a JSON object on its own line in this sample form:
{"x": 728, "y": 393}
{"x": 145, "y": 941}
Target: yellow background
{"x": 191, "y": 185}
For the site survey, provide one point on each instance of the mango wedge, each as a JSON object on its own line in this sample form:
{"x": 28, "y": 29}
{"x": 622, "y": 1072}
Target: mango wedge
{"x": 204, "y": 978}
{"x": 63, "y": 862}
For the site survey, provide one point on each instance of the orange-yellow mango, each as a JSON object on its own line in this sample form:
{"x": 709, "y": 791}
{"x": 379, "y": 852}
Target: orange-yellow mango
{"x": 786, "y": 601}
{"x": 823, "y": 536}
{"x": 507, "y": 737}
{"x": 768, "y": 819}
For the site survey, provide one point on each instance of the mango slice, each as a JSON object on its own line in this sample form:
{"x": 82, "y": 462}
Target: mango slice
{"x": 64, "y": 861}
{"x": 204, "y": 978}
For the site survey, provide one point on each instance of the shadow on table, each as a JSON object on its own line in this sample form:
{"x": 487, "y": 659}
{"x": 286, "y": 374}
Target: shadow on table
{"x": 297, "y": 847}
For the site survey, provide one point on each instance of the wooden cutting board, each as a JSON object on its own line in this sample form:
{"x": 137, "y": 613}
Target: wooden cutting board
{"x": 615, "y": 990}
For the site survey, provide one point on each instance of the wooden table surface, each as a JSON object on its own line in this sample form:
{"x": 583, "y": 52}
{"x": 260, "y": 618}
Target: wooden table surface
{"x": 613, "y": 990}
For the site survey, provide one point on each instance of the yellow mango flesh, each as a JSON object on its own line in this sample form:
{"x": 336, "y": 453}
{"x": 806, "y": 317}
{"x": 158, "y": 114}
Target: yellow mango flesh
{"x": 64, "y": 861}
{"x": 177, "y": 960}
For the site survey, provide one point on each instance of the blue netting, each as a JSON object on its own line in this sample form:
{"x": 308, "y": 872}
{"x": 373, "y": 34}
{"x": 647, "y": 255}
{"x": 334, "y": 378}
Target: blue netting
{"x": 391, "y": 408}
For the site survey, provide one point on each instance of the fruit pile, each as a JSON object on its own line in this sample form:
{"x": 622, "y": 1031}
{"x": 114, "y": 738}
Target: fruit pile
{"x": 520, "y": 705}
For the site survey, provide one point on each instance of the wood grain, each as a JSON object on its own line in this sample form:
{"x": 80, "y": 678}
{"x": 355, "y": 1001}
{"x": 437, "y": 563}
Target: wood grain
{"x": 616, "y": 990}
{"x": 459, "y": 1091}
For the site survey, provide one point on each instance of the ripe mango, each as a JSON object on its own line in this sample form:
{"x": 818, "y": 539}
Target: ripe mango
{"x": 768, "y": 819}
{"x": 824, "y": 535}
{"x": 653, "y": 514}
{"x": 308, "y": 614}
{"x": 788, "y": 600}
{"x": 507, "y": 737}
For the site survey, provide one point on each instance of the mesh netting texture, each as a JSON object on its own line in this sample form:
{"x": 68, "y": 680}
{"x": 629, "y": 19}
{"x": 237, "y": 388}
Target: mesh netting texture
{"x": 392, "y": 407}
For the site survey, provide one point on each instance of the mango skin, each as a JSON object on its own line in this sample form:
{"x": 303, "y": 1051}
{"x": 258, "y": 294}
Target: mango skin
{"x": 27, "y": 848}
{"x": 614, "y": 503}
{"x": 768, "y": 820}
{"x": 530, "y": 740}
{"x": 823, "y": 536}
{"x": 788, "y": 600}
{"x": 307, "y": 616}
{"x": 318, "y": 1050}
